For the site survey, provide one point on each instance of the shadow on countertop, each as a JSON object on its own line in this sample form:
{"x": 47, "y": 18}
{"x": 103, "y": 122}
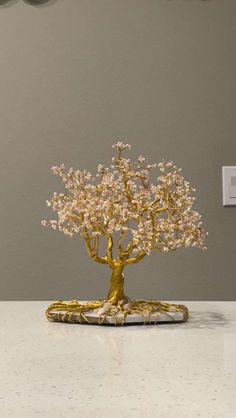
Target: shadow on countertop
{"x": 207, "y": 320}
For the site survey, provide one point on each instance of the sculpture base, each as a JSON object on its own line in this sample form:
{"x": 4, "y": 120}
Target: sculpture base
{"x": 138, "y": 319}
{"x": 122, "y": 313}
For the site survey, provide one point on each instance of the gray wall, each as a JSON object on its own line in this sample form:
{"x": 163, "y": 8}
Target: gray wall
{"x": 76, "y": 74}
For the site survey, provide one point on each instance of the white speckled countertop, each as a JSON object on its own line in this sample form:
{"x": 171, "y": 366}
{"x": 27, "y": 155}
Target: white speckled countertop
{"x": 54, "y": 370}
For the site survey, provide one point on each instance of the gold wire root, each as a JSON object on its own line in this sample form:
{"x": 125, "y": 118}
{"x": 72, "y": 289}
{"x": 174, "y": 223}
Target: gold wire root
{"x": 75, "y": 312}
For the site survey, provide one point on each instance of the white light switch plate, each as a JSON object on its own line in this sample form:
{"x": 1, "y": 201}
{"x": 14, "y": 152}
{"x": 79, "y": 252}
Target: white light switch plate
{"x": 229, "y": 185}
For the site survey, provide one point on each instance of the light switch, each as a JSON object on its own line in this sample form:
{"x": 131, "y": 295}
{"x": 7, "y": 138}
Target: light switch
{"x": 232, "y": 188}
{"x": 229, "y": 185}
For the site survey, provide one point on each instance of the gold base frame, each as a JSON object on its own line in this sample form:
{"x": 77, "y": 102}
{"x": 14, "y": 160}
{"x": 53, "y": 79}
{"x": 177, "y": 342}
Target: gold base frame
{"x": 126, "y": 311}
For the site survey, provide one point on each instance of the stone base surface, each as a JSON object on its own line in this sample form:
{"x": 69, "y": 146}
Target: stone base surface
{"x": 99, "y": 317}
{"x": 137, "y": 318}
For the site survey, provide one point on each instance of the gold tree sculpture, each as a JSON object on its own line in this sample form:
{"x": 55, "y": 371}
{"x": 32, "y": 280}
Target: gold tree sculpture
{"x": 134, "y": 216}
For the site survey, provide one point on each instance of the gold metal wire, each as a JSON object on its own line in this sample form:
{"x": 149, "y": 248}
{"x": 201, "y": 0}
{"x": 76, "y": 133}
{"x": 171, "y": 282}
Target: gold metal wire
{"x": 116, "y": 306}
{"x": 75, "y": 311}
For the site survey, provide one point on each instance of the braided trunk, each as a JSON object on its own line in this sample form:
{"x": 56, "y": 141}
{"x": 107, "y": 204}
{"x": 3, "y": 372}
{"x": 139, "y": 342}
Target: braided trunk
{"x": 116, "y": 290}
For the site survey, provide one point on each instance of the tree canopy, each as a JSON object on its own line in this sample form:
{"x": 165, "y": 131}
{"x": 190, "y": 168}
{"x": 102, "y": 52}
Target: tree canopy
{"x": 123, "y": 205}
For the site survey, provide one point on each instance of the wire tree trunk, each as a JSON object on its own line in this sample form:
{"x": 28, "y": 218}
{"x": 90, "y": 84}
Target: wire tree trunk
{"x": 116, "y": 289}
